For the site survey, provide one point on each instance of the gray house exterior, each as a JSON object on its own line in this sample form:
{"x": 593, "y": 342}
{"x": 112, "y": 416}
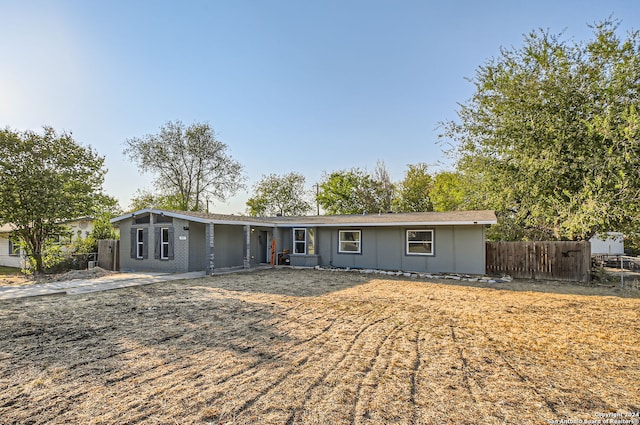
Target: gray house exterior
{"x": 178, "y": 241}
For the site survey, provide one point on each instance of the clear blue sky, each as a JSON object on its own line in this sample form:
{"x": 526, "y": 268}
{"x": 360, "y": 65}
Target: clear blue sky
{"x": 288, "y": 85}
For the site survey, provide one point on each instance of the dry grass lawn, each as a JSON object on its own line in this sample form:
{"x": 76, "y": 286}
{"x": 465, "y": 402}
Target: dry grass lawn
{"x": 315, "y": 347}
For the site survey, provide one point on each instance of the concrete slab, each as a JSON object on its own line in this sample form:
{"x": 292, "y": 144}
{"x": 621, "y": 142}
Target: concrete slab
{"x": 82, "y": 286}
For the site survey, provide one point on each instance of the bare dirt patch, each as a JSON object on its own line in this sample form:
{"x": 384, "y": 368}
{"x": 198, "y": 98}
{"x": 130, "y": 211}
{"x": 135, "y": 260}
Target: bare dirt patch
{"x": 315, "y": 347}
{"x": 19, "y": 279}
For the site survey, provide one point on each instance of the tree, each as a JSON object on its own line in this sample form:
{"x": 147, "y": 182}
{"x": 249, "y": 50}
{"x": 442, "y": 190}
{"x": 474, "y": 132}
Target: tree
{"x": 144, "y": 198}
{"x": 345, "y": 192}
{"x": 414, "y": 193}
{"x": 189, "y": 162}
{"x": 448, "y": 191}
{"x": 383, "y": 189}
{"x": 551, "y": 135}
{"x": 46, "y": 179}
{"x": 283, "y": 195}
{"x": 356, "y": 192}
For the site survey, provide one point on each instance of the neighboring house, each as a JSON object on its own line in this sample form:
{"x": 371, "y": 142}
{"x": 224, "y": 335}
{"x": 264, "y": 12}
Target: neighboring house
{"x": 178, "y": 241}
{"x": 77, "y": 228}
{"x": 610, "y": 243}
{"x": 12, "y": 255}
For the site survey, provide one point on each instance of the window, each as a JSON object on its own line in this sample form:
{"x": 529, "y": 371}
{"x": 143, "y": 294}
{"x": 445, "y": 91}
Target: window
{"x": 304, "y": 241}
{"x": 140, "y": 242}
{"x": 162, "y": 219}
{"x": 14, "y": 248}
{"x": 299, "y": 241}
{"x": 311, "y": 238}
{"x": 419, "y": 242}
{"x": 349, "y": 241}
{"x": 140, "y": 239}
{"x": 163, "y": 247}
{"x": 142, "y": 220}
{"x": 164, "y": 243}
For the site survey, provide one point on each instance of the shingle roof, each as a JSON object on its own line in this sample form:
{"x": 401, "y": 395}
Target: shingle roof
{"x": 435, "y": 218}
{"x": 392, "y": 219}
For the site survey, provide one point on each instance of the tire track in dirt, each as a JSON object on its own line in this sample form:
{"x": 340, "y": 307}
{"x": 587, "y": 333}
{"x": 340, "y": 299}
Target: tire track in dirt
{"x": 466, "y": 371}
{"x": 299, "y": 346}
{"x": 525, "y": 379}
{"x": 305, "y": 348}
{"x": 298, "y": 369}
{"x": 414, "y": 379}
{"x": 363, "y": 397}
{"x": 339, "y": 363}
{"x": 522, "y": 377}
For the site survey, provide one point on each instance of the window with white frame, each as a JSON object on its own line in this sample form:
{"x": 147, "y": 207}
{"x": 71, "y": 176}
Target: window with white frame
{"x": 420, "y": 242}
{"x": 299, "y": 241}
{"x": 164, "y": 243}
{"x": 349, "y": 241}
{"x": 140, "y": 243}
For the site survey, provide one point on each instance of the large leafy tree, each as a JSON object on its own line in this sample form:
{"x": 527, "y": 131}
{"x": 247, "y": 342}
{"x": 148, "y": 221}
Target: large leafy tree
{"x": 45, "y": 179}
{"x": 414, "y": 192}
{"x": 190, "y": 164}
{"x": 144, "y": 198}
{"x": 355, "y": 191}
{"x": 449, "y": 191}
{"x": 347, "y": 192}
{"x": 275, "y": 194}
{"x": 551, "y": 135}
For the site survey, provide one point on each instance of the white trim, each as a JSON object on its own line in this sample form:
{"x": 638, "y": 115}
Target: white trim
{"x": 163, "y": 243}
{"x": 388, "y": 224}
{"x": 356, "y": 242}
{"x": 242, "y": 222}
{"x": 140, "y": 231}
{"x": 295, "y": 241}
{"x": 431, "y": 242}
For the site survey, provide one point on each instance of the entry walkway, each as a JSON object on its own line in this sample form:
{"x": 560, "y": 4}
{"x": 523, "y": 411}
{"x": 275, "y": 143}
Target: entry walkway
{"x": 82, "y": 286}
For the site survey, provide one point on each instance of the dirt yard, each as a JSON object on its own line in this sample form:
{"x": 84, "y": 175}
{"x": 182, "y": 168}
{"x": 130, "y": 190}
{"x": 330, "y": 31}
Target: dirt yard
{"x": 317, "y": 347}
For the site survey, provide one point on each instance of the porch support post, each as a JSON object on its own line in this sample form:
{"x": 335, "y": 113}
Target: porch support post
{"x": 247, "y": 247}
{"x": 276, "y": 237}
{"x": 209, "y": 244}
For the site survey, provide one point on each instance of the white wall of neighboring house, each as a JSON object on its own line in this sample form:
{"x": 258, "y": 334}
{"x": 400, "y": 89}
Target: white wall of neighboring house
{"x": 9, "y": 259}
{"x": 610, "y": 243}
{"x": 81, "y": 227}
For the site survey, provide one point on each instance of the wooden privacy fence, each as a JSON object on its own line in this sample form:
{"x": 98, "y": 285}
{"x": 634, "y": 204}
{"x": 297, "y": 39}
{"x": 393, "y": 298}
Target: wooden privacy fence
{"x": 541, "y": 260}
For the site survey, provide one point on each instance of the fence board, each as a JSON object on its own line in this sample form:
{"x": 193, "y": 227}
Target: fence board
{"x": 108, "y": 257}
{"x": 565, "y": 260}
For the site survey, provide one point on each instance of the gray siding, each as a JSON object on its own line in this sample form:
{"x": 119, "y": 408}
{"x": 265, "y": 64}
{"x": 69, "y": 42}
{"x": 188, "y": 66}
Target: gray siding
{"x": 197, "y": 251}
{"x": 457, "y": 249}
{"x": 229, "y": 245}
{"x": 180, "y": 262}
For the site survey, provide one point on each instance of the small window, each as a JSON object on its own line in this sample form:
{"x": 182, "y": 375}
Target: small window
{"x": 349, "y": 241}
{"x": 311, "y": 241}
{"x": 164, "y": 243}
{"x": 162, "y": 219}
{"x": 142, "y": 220}
{"x": 14, "y": 248}
{"x": 140, "y": 243}
{"x": 419, "y": 242}
{"x": 299, "y": 241}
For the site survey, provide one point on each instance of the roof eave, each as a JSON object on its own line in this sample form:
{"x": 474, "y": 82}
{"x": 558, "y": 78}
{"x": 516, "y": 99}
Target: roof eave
{"x": 190, "y": 218}
{"x": 388, "y": 224}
